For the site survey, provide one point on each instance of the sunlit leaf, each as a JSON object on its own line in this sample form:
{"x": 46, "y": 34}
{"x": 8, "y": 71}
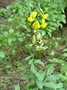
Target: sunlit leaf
{"x": 17, "y": 87}
{"x": 2, "y": 54}
{"x": 39, "y": 62}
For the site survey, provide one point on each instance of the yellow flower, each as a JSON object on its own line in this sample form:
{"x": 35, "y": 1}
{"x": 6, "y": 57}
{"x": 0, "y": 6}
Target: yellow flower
{"x": 36, "y": 25}
{"x": 43, "y": 25}
{"x": 44, "y": 16}
{"x": 30, "y": 19}
{"x": 33, "y": 15}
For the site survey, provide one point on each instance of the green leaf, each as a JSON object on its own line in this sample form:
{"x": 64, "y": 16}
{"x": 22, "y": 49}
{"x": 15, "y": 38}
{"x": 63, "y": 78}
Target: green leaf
{"x": 23, "y": 67}
{"x": 42, "y": 32}
{"x": 53, "y": 85}
{"x": 61, "y": 89}
{"x": 2, "y": 54}
{"x": 56, "y": 60}
{"x": 10, "y": 40}
{"x": 31, "y": 61}
{"x": 32, "y": 86}
{"x": 40, "y": 75}
{"x": 39, "y": 62}
{"x": 50, "y": 70}
{"x": 28, "y": 58}
{"x": 65, "y": 50}
{"x": 26, "y": 76}
{"x": 50, "y": 85}
{"x": 33, "y": 70}
{"x": 64, "y": 67}
{"x": 59, "y": 85}
{"x": 8, "y": 66}
{"x": 52, "y": 53}
{"x": 62, "y": 77}
{"x": 20, "y": 39}
{"x": 65, "y": 54}
{"x": 52, "y": 78}
{"x": 17, "y": 87}
{"x": 11, "y": 31}
{"x": 39, "y": 84}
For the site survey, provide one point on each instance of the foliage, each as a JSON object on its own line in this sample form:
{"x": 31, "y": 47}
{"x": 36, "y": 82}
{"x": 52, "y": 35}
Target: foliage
{"x": 30, "y": 26}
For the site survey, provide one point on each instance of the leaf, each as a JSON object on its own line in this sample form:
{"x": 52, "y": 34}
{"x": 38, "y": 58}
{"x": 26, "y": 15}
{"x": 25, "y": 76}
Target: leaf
{"x": 52, "y": 53}
{"x": 65, "y": 54}
{"x": 10, "y": 40}
{"x": 59, "y": 85}
{"x": 33, "y": 70}
{"x": 11, "y": 31}
{"x": 32, "y": 86}
{"x": 40, "y": 75}
{"x": 39, "y": 62}
{"x": 23, "y": 67}
{"x": 64, "y": 67}
{"x": 65, "y": 50}
{"x": 56, "y": 60}
{"x": 50, "y": 85}
{"x": 31, "y": 61}
{"x": 62, "y": 77}
{"x": 50, "y": 70}
{"x": 8, "y": 66}
{"x": 26, "y": 76}
{"x": 53, "y": 85}
{"x": 61, "y": 89}
{"x": 49, "y": 33}
{"x": 20, "y": 39}
{"x": 52, "y": 78}
{"x": 42, "y": 32}
{"x": 2, "y": 54}
{"x": 17, "y": 87}
{"x": 28, "y": 58}
{"x": 39, "y": 84}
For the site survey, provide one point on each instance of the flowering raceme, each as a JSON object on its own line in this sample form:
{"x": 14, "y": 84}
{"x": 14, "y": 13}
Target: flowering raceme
{"x": 32, "y": 16}
{"x": 36, "y": 25}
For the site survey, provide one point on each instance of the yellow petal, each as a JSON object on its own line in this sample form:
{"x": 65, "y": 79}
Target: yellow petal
{"x": 30, "y": 19}
{"x": 36, "y": 25}
{"x": 43, "y": 21}
{"x": 43, "y": 25}
{"x": 33, "y": 15}
{"x": 45, "y": 16}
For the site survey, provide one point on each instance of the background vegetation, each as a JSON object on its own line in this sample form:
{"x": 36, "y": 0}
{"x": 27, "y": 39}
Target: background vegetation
{"x": 33, "y": 45}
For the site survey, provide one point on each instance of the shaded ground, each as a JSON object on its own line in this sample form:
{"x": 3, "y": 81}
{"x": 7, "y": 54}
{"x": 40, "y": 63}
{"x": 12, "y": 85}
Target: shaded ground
{"x": 5, "y": 2}
{"x": 10, "y": 79}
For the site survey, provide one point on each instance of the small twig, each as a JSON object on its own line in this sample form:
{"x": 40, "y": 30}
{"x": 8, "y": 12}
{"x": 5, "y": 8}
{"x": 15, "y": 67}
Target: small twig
{"x": 9, "y": 77}
{"x": 62, "y": 47}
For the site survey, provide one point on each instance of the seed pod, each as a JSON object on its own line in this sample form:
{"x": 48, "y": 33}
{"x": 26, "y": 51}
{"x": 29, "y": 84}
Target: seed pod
{"x": 33, "y": 40}
{"x": 39, "y": 37}
{"x": 34, "y": 31}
